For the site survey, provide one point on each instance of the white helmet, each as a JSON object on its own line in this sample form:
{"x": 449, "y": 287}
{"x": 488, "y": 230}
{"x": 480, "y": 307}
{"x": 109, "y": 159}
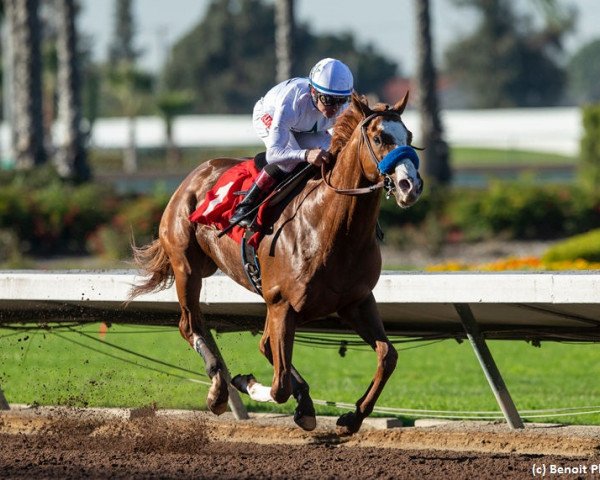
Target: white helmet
{"x": 331, "y": 77}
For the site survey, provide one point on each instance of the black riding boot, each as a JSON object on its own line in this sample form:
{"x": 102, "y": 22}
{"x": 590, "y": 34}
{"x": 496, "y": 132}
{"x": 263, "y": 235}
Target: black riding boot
{"x": 250, "y": 201}
{"x": 261, "y": 187}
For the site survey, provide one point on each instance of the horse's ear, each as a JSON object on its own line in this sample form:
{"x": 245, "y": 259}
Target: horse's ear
{"x": 401, "y": 105}
{"x": 361, "y": 104}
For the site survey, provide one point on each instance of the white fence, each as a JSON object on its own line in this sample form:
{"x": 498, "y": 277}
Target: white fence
{"x": 544, "y": 305}
{"x": 543, "y": 129}
{"x": 537, "y": 129}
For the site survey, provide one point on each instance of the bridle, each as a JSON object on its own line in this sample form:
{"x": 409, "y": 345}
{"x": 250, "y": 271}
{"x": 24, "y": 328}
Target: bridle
{"x": 387, "y": 183}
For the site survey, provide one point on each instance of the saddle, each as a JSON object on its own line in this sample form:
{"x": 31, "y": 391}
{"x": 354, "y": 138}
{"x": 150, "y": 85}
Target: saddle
{"x": 221, "y": 200}
{"x": 277, "y": 201}
{"x": 290, "y": 185}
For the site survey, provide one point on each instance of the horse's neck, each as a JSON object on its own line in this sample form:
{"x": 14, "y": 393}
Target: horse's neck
{"x": 348, "y": 172}
{"x": 354, "y": 215}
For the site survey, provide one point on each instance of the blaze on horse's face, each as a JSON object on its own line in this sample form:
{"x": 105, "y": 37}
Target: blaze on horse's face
{"x": 408, "y": 184}
{"x": 386, "y": 133}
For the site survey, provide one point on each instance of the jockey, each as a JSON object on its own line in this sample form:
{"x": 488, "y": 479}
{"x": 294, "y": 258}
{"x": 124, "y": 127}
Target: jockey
{"x": 293, "y": 120}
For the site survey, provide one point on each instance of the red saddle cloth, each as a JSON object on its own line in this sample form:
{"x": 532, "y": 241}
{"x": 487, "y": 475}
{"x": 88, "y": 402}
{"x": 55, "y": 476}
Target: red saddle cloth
{"x": 220, "y": 202}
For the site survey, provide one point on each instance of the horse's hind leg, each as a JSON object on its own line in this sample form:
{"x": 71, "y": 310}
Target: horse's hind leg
{"x": 365, "y": 320}
{"x": 192, "y": 326}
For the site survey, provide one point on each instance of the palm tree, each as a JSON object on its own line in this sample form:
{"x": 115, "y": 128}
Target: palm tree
{"x": 559, "y": 18}
{"x": 436, "y": 153}
{"x": 26, "y": 78}
{"x": 71, "y": 160}
{"x": 284, "y": 39}
{"x": 127, "y": 81}
{"x": 171, "y": 104}
{"x": 129, "y": 85}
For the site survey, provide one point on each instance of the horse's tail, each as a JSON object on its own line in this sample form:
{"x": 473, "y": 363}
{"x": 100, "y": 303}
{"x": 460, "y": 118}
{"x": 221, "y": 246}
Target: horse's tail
{"x": 152, "y": 260}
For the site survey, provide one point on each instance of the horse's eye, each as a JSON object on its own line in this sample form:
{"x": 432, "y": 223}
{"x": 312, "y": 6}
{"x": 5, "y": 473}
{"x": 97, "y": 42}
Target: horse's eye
{"x": 377, "y": 140}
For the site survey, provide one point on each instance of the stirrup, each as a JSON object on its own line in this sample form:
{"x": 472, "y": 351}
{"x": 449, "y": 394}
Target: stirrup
{"x": 250, "y": 263}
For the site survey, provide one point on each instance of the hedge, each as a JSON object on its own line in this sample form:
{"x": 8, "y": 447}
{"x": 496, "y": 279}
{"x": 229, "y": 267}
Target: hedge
{"x": 579, "y": 247}
{"x": 51, "y": 217}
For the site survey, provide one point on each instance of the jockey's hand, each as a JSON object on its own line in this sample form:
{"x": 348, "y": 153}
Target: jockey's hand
{"x": 317, "y": 157}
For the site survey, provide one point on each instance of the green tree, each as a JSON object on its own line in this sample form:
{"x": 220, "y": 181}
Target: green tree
{"x": 370, "y": 68}
{"x": 584, "y": 72}
{"x": 235, "y": 62}
{"x": 228, "y": 59}
{"x": 128, "y": 84}
{"x": 589, "y": 166}
{"x": 170, "y": 105}
{"x": 122, "y": 47}
{"x": 559, "y": 19}
{"x": 505, "y": 62}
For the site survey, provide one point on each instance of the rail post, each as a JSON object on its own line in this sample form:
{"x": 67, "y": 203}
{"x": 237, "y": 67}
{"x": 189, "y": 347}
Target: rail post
{"x": 488, "y": 366}
{"x": 235, "y": 402}
{"x": 3, "y": 403}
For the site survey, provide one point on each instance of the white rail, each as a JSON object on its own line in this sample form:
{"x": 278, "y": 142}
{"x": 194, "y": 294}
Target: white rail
{"x": 408, "y": 302}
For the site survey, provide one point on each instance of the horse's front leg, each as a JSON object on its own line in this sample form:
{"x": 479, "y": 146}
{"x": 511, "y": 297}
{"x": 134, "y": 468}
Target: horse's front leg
{"x": 365, "y": 320}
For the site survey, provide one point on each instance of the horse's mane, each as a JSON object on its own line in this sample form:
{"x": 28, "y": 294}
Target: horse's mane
{"x": 347, "y": 123}
{"x": 344, "y": 128}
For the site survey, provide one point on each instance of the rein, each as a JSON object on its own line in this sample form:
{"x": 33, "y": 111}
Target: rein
{"x": 349, "y": 191}
{"x": 364, "y": 138}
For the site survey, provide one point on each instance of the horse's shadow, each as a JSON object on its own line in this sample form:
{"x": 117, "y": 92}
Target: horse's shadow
{"x": 328, "y": 438}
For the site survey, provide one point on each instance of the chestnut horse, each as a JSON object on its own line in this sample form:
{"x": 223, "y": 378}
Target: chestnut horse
{"x": 322, "y": 258}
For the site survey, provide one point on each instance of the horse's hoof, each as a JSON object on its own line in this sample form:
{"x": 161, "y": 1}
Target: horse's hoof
{"x": 304, "y": 415}
{"x": 218, "y": 409}
{"x": 217, "y": 397}
{"x": 348, "y": 424}
{"x": 306, "y": 422}
{"x": 241, "y": 382}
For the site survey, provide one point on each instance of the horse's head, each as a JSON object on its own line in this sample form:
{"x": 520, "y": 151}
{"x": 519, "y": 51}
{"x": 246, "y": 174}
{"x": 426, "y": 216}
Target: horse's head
{"x": 385, "y": 150}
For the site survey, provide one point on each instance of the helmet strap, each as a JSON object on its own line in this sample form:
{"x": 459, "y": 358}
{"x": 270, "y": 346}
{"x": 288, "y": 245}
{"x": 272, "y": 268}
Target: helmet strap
{"x": 314, "y": 96}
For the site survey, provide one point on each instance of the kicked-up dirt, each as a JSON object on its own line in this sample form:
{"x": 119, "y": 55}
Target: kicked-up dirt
{"x": 54, "y": 443}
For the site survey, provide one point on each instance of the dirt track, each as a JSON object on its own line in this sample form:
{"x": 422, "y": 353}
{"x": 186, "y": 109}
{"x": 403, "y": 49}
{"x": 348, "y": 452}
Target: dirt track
{"x": 69, "y": 443}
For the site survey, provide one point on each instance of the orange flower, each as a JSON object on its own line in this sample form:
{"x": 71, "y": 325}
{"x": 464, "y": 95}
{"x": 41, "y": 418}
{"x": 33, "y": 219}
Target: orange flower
{"x": 514, "y": 263}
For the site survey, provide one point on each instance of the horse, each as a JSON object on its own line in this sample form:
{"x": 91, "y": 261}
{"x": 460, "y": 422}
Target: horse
{"x": 321, "y": 258}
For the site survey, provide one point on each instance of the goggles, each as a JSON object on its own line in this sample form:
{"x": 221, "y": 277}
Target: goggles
{"x": 331, "y": 100}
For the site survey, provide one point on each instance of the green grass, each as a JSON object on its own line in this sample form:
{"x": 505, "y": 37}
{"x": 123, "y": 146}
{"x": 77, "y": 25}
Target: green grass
{"x": 75, "y": 367}
{"x": 486, "y": 157}
{"x": 153, "y": 160}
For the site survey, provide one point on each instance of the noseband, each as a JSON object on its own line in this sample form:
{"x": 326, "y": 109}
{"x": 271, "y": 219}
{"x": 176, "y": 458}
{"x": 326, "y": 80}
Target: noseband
{"x": 387, "y": 181}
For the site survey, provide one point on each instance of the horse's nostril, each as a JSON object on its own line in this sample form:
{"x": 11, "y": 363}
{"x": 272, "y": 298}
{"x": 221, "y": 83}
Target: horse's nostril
{"x": 404, "y": 185}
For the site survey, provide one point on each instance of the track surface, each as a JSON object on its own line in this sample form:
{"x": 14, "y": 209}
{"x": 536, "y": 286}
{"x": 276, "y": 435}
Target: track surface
{"x": 67, "y": 443}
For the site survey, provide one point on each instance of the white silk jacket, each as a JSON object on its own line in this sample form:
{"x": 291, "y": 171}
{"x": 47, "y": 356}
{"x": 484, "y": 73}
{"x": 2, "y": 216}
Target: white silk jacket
{"x": 289, "y": 123}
